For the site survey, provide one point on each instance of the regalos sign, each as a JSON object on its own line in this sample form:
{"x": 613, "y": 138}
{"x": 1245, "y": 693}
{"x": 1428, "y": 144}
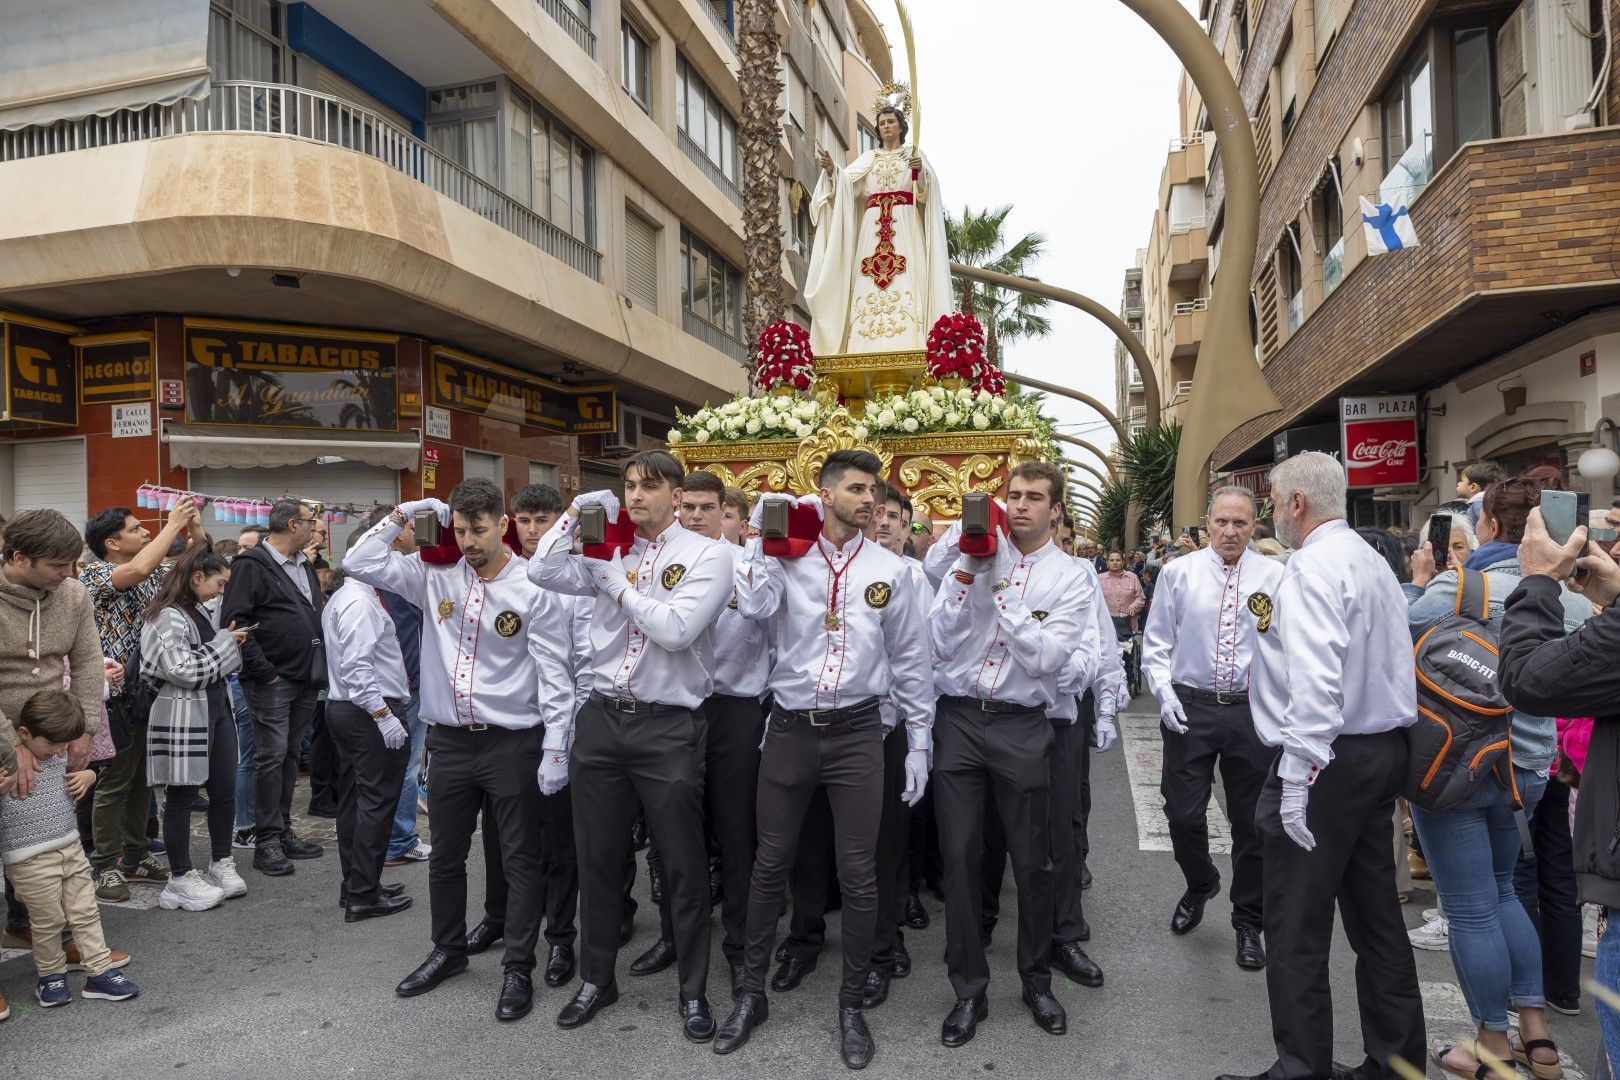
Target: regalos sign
{"x": 1380, "y": 439}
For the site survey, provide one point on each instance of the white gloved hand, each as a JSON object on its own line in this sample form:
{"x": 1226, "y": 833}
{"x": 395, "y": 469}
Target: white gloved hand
{"x": 409, "y": 510}
{"x": 553, "y": 771}
{"x": 609, "y": 576}
{"x": 605, "y": 499}
{"x": 757, "y": 518}
{"x": 916, "y": 777}
{"x": 1294, "y": 797}
{"x": 393, "y": 732}
{"x": 1107, "y": 734}
{"x": 813, "y": 501}
{"x": 1173, "y": 716}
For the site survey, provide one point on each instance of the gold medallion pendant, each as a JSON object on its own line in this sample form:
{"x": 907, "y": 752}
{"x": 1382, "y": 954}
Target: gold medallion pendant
{"x": 631, "y": 576}
{"x": 831, "y": 621}
{"x": 446, "y": 609}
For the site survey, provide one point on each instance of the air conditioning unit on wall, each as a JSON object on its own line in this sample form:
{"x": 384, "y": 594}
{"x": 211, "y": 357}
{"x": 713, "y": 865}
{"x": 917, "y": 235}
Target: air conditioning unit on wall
{"x": 1544, "y": 66}
{"x": 626, "y": 438}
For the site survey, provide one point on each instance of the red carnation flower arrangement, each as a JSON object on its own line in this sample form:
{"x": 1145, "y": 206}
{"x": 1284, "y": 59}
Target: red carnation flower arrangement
{"x": 783, "y": 357}
{"x": 956, "y": 349}
{"x": 992, "y": 379}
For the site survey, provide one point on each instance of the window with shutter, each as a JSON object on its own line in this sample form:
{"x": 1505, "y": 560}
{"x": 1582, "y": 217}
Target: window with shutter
{"x": 1264, "y": 140}
{"x": 1326, "y": 26}
{"x": 1267, "y": 331}
{"x": 1288, "y": 86}
{"x": 641, "y": 259}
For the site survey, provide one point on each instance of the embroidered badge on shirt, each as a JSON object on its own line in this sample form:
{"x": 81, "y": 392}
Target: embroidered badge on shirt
{"x": 733, "y": 604}
{"x": 508, "y": 623}
{"x": 878, "y": 593}
{"x": 672, "y": 575}
{"x": 446, "y": 609}
{"x": 1040, "y": 616}
{"x": 1261, "y": 608}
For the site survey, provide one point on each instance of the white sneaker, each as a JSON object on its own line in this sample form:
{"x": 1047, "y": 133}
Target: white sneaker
{"x": 1589, "y": 930}
{"x": 1431, "y": 915}
{"x": 1435, "y": 935}
{"x": 222, "y": 875}
{"x": 189, "y": 892}
{"x": 420, "y": 852}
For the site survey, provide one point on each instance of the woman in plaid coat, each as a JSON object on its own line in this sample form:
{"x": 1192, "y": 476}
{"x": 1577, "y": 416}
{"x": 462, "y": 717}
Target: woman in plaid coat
{"x": 191, "y": 736}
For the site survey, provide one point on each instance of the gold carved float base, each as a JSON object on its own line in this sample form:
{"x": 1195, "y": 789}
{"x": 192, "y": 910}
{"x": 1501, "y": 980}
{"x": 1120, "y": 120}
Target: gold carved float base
{"x": 855, "y": 377}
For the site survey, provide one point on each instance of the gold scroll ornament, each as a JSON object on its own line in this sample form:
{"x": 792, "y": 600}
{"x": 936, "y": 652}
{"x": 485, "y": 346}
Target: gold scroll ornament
{"x": 938, "y": 487}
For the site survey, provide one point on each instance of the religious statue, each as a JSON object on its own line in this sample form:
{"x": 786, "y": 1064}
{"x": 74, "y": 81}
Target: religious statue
{"x": 879, "y": 271}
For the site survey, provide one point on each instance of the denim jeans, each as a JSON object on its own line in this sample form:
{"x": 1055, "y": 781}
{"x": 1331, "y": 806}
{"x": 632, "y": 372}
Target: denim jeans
{"x": 244, "y": 757}
{"x": 1606, "y": 973}
{"x": 1472, "y": 850}
{"x": 282, "y": 711}
{"x": 404, "y": 836}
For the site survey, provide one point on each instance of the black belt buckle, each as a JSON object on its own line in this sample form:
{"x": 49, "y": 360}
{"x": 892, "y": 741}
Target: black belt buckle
{"x": 477, "y": 727}
{"x": 832, "y": 714}
{"x": 621, "y": 704}
{"x": 1223, "y": 697}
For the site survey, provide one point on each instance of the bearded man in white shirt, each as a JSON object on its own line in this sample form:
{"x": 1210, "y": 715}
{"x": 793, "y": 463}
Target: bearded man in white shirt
{"x": 1332, "y": 686}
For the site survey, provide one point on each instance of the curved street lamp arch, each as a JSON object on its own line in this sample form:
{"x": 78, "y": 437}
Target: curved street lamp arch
{"x": 1107, "y": 462}
{"x": 1101, "y": 479}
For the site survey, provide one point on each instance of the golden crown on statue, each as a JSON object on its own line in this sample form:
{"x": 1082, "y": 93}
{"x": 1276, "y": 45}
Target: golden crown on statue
{"x": 895, "y": 95}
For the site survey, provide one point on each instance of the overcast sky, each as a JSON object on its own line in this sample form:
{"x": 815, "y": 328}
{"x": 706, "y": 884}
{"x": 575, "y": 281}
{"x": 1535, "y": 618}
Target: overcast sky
{"x": 1065, "y": 109}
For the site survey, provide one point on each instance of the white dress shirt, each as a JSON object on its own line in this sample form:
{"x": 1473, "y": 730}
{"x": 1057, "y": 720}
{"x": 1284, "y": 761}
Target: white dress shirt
{"x": 916, "y": 580}
{"x": 491, "y": 650}
{"x": 1338, "y": 657}
{"x": 742, "y": 647}
{"x": 364, "y": 664}
{"x": 1012, "y": 644}
{"x": 294, "y": 569}
{"x": 1205, "y": 622}
{"x": 879, "y": 639}
{"x": 656, "y": 644}
{"x": 1108, "y": 682}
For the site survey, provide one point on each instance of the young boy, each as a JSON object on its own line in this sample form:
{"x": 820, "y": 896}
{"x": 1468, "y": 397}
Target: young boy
{"x": 1472, "y": 483}
{"x": 39, "y": 846}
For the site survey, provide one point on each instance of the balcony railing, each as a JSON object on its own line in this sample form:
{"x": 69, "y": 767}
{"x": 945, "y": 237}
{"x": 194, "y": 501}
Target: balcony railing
{"x": 275, "y": 109}
{"x": 1332, "y": 268}
{"x": 710, "y": 169}
{"x": 1182, "y": 143}
{"x": 1188, "y": 307}
{"x": 569, "y": 19}
{"x": 712, "y": 335}
{"x": 720, "y": 22}
{"x": 1186, "y": 225}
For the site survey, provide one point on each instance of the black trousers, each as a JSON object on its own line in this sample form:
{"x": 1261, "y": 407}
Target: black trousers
{"x": 654, "y": 756}
{"x": 322, "y": 760}
{"x": 1068, "y": 910}
{"x": 894, "y": 838}
{"x": 978, "y": 757}
{"x": 736, "y": 725}
{"x": 1350, "y": 813}
{"x": 1545, "y": 882}
{"x": 813, "y": 880}
{"x": 923, "y": 858}
{"x": 1087, "y": 728}
{"x": 368, "y": 777}
{"x": 221, "y": 786}
{"x": 469, "y": 767}
{"x": 1223, "y": 735}
{"x": 559, "y": 871}
{"x": 281, "y": 711}
{"x": 845, "y": 758}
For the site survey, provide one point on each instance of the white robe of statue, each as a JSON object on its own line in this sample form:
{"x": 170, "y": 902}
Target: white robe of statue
{"x": 879, "y": 271}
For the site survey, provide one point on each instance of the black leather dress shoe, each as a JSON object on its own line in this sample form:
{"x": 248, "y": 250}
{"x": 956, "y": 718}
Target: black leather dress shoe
{"x": 696, "y": 1020}
{"x": 876, "y": 990}
{"x": 627, "y": 930}
{"x": 655, "y": 959}
{"x": 485, "y": 934}
{"x": 322, "y": 810}
{"x": 856, "y": 1046}
{"x": 1085, "y": 877}
{"x": 269, "y": 858}
{"x": 560, "y": 965}
{"x": 1048, "y": 1013}
{"x": 750, "y": 1012}
{"x": 517, "y": 995}
{"x": 297, "y": 847}
{"x": 655, "y": 881}
{"x": 962, "y": 1023}
{"x": 782, "y": 952}
{"x": 382, "y": 890}
{"x": 590, "y": 1000}
{"x": 1244, "y": 1076}
{"x": 1072, "y": 960}
{"x": 901, "y": 966}
{"x": 916, "y": 915}
{"x": 737, "y": 971}
{"x": 438, "y": 967}
{"x": 1190, "y": 909}
{"x": 791, "y": 974}
{"x": 1251, "y": 955}
{"x": 384, "y": 905}
{"x": 638, "y": 836}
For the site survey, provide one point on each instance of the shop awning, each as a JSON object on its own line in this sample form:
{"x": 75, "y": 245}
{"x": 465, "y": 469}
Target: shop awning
{"x": 195, "y": 446}
{"x": 66, "y": 61}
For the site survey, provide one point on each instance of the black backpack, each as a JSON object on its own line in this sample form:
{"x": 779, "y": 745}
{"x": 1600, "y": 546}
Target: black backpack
{"x": 1462, "y": 729}
{"x": 133, "y": 704}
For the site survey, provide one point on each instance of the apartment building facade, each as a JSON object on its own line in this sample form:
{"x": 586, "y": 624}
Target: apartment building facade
{"x": 357, "y": 252}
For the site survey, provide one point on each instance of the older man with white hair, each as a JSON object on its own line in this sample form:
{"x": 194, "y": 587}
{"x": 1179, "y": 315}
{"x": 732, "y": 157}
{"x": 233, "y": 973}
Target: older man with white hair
{"x": 1331, "y": 687}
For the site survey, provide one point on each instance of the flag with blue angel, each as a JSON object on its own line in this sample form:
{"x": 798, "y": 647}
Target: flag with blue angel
{"x": 1388, "y": 228}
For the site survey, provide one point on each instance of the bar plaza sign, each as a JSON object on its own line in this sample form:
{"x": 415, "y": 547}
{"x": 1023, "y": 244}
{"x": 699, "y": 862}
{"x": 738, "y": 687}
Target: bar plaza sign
{"x": 1380, "y": 440}
{"x": 471, "y": 384}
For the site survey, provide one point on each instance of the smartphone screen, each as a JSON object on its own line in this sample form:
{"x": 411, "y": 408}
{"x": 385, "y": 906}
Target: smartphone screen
{"x": 1440, "y": 540}
{"x": 1195, "y": 534}
{"x": 1558, "y": 510}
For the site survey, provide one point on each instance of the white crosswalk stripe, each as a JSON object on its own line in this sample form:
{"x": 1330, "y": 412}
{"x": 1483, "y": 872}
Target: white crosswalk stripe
{"x": 1144, "y": 761}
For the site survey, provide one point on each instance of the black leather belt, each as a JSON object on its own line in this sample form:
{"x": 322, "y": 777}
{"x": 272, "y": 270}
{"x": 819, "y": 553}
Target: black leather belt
{"x": 629, "y": 706}
{"x": 985, "y": 705}
{"x": 1213, "y": 697}
{"x": 820, "y": 718}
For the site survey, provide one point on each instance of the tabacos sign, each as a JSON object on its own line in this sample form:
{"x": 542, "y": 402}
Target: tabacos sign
{"x": 41, "y": 373}
{"x": 1380, "y": 440}
{"x": 474, "y": 385}
{"x": 290, "y": 376}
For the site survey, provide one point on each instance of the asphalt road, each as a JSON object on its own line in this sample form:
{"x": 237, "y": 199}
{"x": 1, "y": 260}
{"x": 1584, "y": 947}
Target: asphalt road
{"x": 275, "y": 984}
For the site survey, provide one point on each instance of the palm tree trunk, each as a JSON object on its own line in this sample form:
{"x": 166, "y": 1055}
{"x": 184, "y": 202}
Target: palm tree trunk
{"x": 759, "y": 134}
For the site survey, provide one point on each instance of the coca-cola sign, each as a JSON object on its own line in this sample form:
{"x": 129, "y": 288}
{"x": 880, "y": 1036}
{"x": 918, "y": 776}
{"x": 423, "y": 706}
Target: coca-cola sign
{"x": 1380, "y": 441}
